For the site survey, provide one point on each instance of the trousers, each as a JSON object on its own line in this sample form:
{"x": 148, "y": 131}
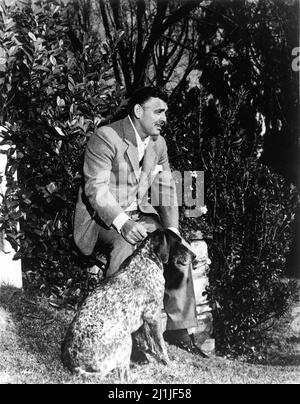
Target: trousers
{"x": 179, "y": 303}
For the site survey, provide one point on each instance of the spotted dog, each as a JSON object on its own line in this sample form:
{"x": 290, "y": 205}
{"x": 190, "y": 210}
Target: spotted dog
{"x": 99, "y": 337}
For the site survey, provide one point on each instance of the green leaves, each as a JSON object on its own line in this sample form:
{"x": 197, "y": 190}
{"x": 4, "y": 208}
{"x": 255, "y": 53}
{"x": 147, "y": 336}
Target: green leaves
{"x": 50, "y": 95}
{"x": 32, "y": 36}
{"x": 42, "y": 68}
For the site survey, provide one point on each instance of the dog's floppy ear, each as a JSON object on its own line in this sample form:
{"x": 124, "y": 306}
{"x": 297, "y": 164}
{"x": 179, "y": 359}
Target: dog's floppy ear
{"x": 172, "y": 240}
{"x": 164, "y": 241}
{"x": 181, "y": 256}
{"x": 173, "y": 236}
{"x": 160, "y": 245}
{"x": 179, "y": 247}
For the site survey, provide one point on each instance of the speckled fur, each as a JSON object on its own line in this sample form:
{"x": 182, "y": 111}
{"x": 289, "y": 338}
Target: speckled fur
{"x": 99, "y": 338}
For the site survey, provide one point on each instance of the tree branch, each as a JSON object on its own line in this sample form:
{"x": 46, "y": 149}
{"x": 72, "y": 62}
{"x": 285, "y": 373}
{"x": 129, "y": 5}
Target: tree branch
{"x": 178, "y": 42}
{"x": 182, "y": 45}
{"x": 123, "y": 51}
{"x": 180, "y": 13}
{"x": 108, "y": 34}
{"x": 141, "y": 8}
{"x": 156, "y": 31}
{"x": 160, "y": 25}
{"x": 191, "y": 66}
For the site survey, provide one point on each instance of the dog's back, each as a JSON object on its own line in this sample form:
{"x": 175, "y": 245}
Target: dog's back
{"x": 99, "y": 338}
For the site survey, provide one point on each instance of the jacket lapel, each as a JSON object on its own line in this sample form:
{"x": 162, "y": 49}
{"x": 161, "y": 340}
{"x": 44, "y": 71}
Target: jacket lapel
{"x": 150, "y": 156}
{"x": 131, "y": 151}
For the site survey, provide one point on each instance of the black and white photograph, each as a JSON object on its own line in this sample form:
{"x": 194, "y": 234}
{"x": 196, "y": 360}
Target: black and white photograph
{"x": 149, "y": 194}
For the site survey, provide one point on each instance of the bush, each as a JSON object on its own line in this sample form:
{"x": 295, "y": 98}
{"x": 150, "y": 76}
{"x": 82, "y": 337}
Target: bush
{"x": 250, "y": 213}
{"x": 52, "y": 97}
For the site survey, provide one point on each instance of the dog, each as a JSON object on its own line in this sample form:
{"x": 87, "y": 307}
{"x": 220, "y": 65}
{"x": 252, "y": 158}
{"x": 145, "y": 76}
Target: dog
{"x": 99, "y": 338}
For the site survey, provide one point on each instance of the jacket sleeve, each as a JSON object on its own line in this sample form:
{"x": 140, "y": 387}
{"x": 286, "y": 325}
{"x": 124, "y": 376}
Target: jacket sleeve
{"x": 165, "y": 190}
{"x": 97, "y": 169}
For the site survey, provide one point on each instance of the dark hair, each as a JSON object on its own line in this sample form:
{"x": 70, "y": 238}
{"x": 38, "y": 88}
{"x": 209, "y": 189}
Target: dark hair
{"x": 143, "y": 94}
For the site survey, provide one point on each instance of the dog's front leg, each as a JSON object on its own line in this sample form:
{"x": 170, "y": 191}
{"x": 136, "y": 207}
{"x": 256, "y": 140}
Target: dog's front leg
{"x": 155, "y": 338}
{"x": 123, "y": 373}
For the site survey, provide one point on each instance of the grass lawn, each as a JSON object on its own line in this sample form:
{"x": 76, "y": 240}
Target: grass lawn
{"x": 31, "y": 332}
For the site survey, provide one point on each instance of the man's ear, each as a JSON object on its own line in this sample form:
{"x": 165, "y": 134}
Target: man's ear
{"x": 137, "y": 111}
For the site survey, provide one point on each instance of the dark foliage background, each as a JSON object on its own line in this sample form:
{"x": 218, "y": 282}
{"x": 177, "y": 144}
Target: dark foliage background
{"x": 250, "y": 211}
{"x": 59, "y": 81}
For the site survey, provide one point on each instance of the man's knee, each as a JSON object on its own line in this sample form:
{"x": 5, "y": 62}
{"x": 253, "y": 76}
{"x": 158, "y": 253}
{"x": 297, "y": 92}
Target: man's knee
{"x": 117, "y": 249}
{"x": 119, "y": 252}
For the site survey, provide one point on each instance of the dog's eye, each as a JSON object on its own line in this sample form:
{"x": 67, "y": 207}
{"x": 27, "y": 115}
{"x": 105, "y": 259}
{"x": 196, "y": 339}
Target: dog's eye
{"x": 181, "y": 262}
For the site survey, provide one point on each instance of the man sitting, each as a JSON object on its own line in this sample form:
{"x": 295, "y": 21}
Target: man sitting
{"x": 122, "y": 162}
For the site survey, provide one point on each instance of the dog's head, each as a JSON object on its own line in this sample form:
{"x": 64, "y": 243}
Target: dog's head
{"x": 175, "y": 254}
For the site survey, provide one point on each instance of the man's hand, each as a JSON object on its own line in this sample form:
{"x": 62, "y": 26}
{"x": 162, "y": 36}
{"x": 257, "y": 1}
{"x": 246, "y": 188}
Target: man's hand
{"x": 133, "y": 232}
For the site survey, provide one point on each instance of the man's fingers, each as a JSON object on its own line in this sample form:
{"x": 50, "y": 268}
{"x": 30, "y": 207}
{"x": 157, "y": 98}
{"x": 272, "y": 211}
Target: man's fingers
{"x": 142, "y": 232}
{"x": 130, "y": 240}
{"x": 137, "y": 234}
{"x": 133, "y": 232}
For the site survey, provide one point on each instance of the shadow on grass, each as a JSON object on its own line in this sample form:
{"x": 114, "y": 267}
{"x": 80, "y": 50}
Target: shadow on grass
{"x": 286, "y": 360}
{"x": 282, "y": 342}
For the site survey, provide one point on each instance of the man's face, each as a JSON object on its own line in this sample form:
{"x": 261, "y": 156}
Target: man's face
{"x": 153, "y": 117}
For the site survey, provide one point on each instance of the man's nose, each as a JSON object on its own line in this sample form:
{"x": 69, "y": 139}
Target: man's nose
{"x": 164, "y": 117}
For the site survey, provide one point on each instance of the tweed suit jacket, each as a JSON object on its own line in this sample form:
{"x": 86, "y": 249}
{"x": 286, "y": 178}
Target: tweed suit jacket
{"x": 112, "y": 181}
